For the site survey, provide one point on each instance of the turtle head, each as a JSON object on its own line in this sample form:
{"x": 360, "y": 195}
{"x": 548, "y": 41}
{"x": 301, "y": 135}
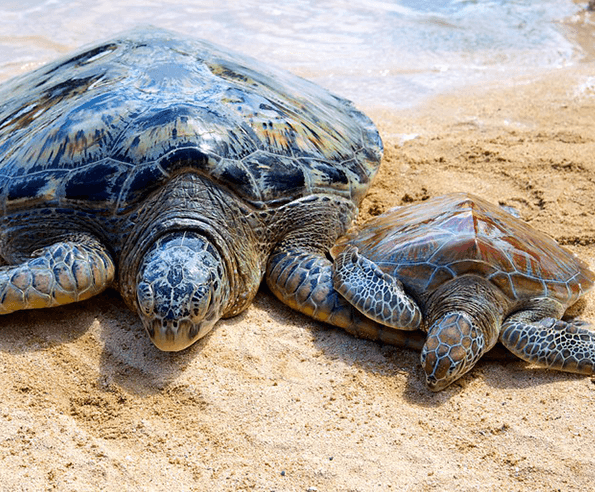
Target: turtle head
{"x": 181, "y": 289}
{"x": 453, "y": 346}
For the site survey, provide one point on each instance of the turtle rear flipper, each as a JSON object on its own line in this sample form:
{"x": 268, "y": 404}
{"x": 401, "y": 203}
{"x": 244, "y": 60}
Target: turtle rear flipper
{"x": 552, "y": 343}
{"x": 65, "y": 272}
{"x": 374, "y": 293}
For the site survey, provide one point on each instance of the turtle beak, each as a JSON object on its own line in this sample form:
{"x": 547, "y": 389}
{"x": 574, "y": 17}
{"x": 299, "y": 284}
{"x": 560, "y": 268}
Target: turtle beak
{"x": 173, "y": 336}
{"x": 436, "y": 385}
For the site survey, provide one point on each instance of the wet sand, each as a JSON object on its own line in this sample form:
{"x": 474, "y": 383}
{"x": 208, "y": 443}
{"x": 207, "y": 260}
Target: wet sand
{"x": 272, "y": 400}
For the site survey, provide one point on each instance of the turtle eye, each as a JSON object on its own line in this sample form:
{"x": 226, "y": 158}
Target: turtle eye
{"x": 145, "y": 298}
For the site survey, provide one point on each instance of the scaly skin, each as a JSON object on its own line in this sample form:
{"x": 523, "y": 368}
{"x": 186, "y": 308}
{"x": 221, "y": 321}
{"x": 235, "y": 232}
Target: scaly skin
{"x": 191, "y": 259}
{"x": 453, "y": 347}
{"x": 65, "y": 272}
{"x": 380, "y": 296}
{"x": 300, "y": 274}
{"x": 550, "y": 342}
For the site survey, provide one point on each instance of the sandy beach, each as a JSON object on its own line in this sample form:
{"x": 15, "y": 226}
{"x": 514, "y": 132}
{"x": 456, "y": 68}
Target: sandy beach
{"x": 274, "y": 401}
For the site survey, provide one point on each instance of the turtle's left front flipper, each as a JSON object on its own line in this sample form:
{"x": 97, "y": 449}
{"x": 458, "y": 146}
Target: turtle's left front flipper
{"x": 302, "y": 278}
{"x": 550, "y": 342}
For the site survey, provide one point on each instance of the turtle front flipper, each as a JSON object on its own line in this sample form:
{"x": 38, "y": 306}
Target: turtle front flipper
{"x": 550, "y": 342}
{"x": 379, "y": 296}
{"x": 302, "y": 278}
{"x": 64, "y": 272}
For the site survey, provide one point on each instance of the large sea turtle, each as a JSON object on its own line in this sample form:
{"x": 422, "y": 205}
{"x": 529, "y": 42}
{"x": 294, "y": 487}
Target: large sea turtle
{"x": 469, "y": 274}
{"x": 176, "y": 171}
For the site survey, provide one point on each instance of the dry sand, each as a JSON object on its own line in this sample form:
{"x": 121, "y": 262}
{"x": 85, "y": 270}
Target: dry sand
{"x": 272, "y": 400}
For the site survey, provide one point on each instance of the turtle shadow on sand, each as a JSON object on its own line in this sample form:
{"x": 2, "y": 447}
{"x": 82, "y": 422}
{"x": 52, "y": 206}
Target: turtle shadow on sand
{"x": 498, "y": 368}
{"x": 127, "y": 358}
{"x": 37, "y": 329}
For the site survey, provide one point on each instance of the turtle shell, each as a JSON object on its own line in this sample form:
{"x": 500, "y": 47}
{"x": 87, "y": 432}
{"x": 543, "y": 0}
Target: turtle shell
{"x": 427, "y": 244}
{"x": 100, "y": 130}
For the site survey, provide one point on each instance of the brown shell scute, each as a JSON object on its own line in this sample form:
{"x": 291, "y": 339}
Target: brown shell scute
{"x": 427, "y": 244}
{"x": 131, "y": 112}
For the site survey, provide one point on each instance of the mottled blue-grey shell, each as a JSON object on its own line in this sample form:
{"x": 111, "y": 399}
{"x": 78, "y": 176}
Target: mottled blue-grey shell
{"x": 430, "y": 243}
{"x": 100, "y": 130}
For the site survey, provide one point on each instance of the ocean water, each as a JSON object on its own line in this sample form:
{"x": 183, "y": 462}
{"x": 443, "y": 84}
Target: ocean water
{"x": 378, "y": 53}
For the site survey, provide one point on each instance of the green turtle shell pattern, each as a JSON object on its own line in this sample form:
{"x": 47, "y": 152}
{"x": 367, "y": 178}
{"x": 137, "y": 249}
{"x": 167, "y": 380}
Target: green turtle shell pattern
{"x": 100, "y": 130}
{"x": 427, "y": 244}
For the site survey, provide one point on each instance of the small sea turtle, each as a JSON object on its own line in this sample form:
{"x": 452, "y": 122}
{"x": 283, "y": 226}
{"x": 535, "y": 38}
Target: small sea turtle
{"x": 175, "y": 171}
{"x": 469, "y": 274}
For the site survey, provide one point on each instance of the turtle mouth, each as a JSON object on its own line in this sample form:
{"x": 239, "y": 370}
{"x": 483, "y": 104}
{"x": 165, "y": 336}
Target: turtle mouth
{"x": 173, "y": 331}
{"x": 436, "y": 385}
{"x": 171, "y": 336}
{"x": 176, "y": 335}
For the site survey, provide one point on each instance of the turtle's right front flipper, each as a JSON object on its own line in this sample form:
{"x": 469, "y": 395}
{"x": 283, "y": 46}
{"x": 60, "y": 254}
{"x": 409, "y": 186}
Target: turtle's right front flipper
{"x": 64, "y": 272}
{"x": 303, "y": 279}
{"x": 379, "y": 296}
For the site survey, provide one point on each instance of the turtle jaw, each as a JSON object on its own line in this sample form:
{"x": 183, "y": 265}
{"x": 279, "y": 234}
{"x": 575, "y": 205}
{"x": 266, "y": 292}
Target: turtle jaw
{"x": 181, "y": 290}
{"x": 175, "y": 331}
{"x": 176, "y": 335}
